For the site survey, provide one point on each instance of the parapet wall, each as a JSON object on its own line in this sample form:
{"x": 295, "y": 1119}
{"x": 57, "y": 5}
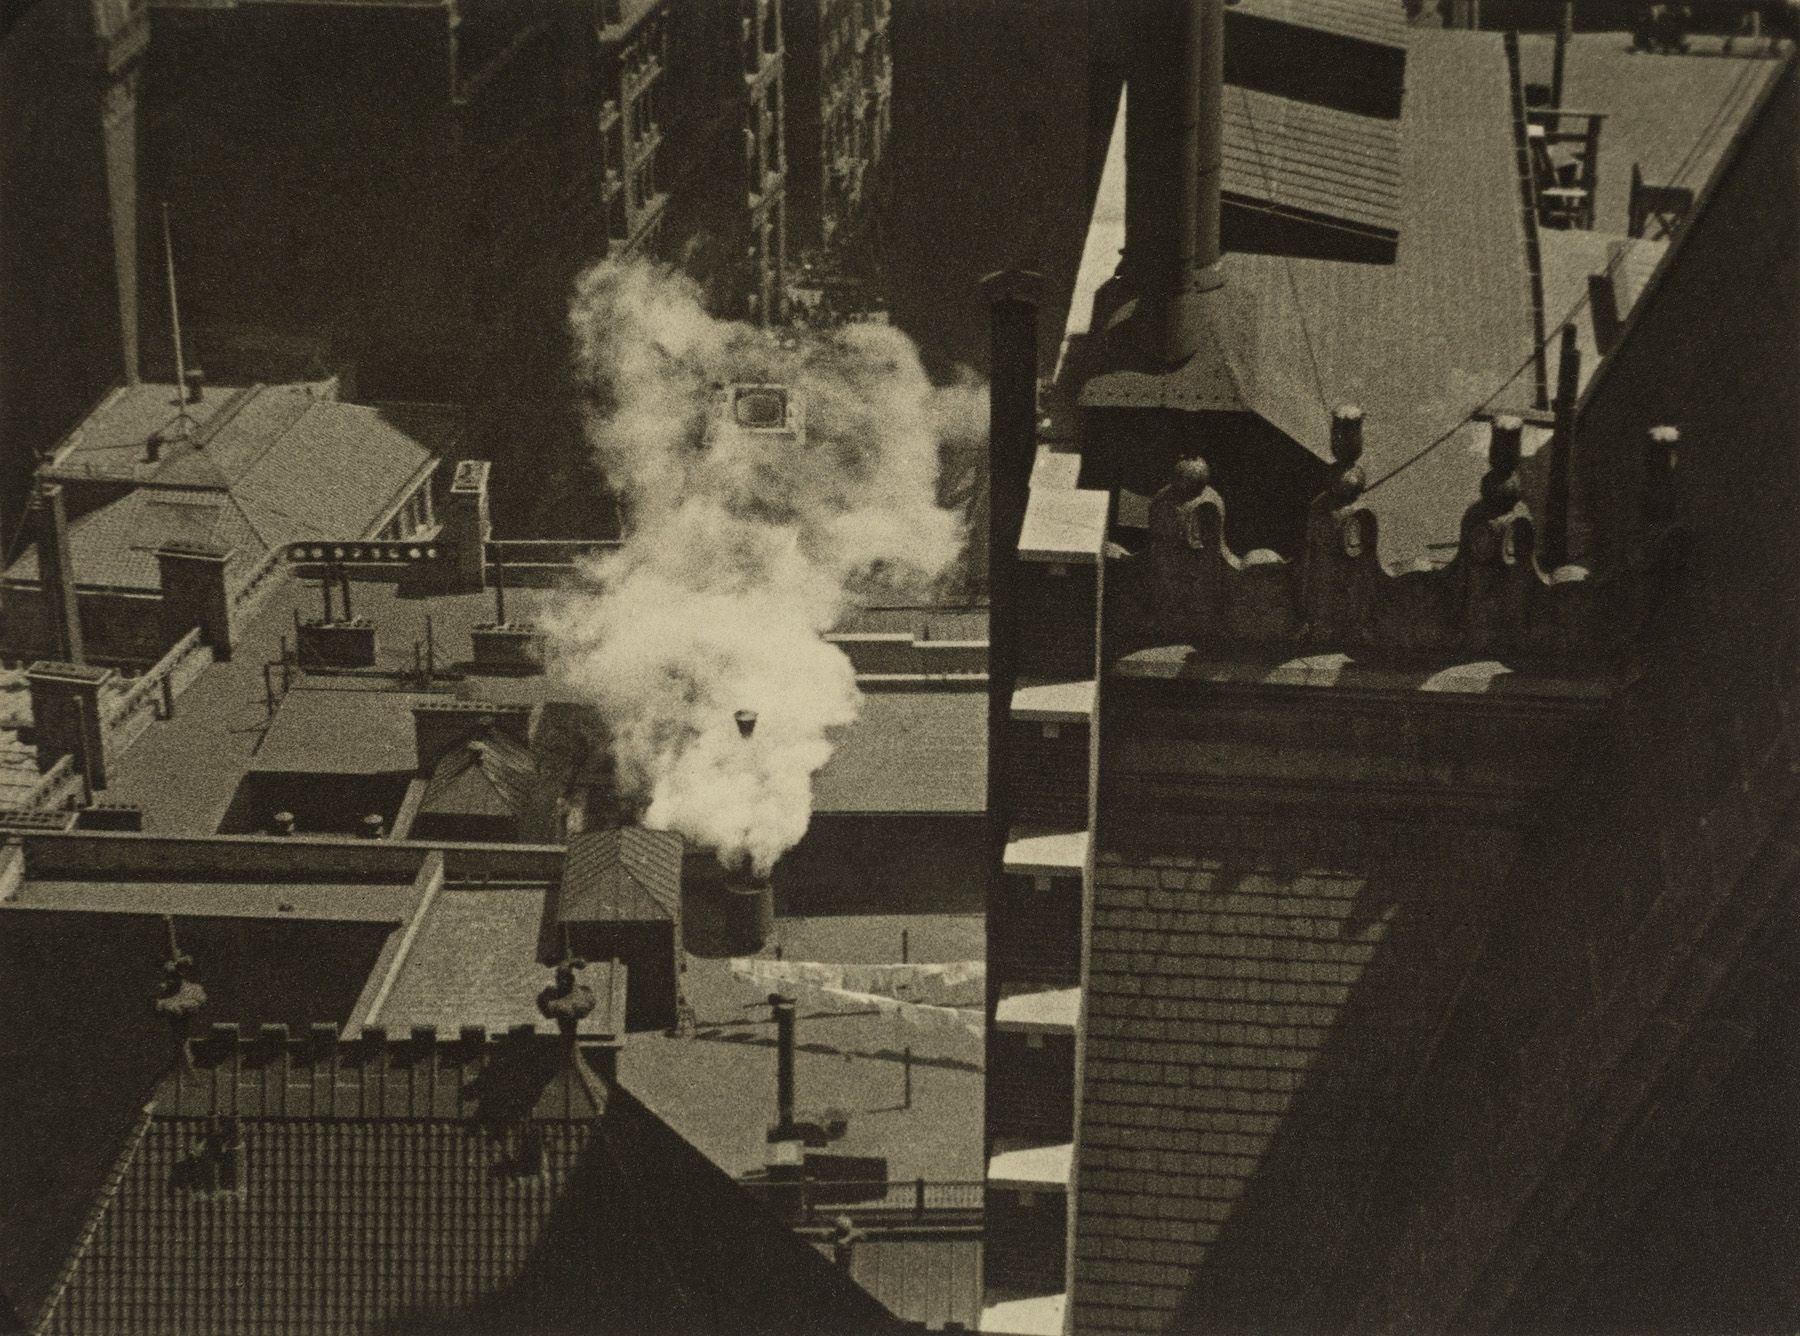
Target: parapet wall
{"x": 1492, "y": 600}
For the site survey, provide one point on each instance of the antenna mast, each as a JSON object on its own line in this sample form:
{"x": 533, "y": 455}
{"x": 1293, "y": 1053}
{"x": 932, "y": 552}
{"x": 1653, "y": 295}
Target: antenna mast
{"x": 181, "y": 391}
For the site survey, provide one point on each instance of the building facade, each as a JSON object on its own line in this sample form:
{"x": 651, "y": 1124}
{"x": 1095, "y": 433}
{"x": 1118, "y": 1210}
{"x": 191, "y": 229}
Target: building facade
{"x": 68, "y": 121}
{"x": 1380, "y": 945}
{"x": 840, "y": 81}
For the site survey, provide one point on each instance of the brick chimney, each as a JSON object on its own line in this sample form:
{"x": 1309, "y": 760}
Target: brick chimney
{"x": 467, "y": 524}
{"x": 1174, "y": 150}
{"x": 194, "y": 594}
{"x": 56, "y": 570}
{"x": 65, "y": 713}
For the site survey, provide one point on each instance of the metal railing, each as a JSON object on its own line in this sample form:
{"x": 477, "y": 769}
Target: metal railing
{"x": 883, "y": 1201}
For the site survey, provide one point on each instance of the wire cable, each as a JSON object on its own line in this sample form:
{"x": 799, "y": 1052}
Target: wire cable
{"x": 1714, "y": 122}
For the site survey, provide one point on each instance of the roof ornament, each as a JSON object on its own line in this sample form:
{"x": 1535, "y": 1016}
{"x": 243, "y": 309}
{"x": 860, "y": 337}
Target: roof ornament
{"x": 567, "y": 1001}
{"x": 178, "y": 996}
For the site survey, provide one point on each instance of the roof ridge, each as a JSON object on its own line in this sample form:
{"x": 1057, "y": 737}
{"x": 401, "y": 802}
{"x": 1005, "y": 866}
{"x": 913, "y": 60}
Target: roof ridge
{"x": 102, "y": 1203}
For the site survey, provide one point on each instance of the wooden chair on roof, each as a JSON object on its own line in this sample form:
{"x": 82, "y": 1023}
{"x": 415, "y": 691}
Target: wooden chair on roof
{"x": 1665, "y": 207}
{"x": 1565, "y": 163}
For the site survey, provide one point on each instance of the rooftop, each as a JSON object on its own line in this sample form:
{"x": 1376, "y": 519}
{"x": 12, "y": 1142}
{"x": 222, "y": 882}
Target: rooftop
{"x": 628, "y": 873}
{"x": 1419, "y": 343}
{"x": 257, "y": 467}
{"x": 910, "y": 751}
{"x": 473, "y": 960}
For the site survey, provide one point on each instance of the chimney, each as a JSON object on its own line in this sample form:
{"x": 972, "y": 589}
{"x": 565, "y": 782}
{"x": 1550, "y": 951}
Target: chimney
{"x": 784, "y": 1065}
{"x": 467, "y": 526}
{"x": 746, "y": 722}
{"x": 56, "y": 570}
{"x": 65, "y": 713}
{"x": 1174, "y": 149}
{"x": 1012, "y": 450}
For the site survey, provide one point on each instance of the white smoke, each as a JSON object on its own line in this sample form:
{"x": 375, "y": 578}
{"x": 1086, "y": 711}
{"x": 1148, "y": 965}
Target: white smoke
{"x": 742, "y": 549}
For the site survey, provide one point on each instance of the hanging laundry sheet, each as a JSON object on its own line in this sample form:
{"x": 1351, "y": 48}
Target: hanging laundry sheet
{"x": 922, "y": 997}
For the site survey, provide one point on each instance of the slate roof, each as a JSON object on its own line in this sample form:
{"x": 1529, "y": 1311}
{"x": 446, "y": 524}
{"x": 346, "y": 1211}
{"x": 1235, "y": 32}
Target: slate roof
{"x": 1367, "y": 20}
{"x": 492, "y": 775}
{"x": 1306, "y": 161}
{"x": 1249, "y": 1033}
{"x": 76, "y": 1076}
{"x": 624, "y": 874}
{"x": 262, "y": 466}
{"x": 116, "y": 544}
{"x": 910, "y": 751}
{"x": 466, "y": 1184}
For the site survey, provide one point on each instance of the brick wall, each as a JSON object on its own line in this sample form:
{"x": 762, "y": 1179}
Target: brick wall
{"x": 1047, "y": 777}
{"x": 1680, "y": 838}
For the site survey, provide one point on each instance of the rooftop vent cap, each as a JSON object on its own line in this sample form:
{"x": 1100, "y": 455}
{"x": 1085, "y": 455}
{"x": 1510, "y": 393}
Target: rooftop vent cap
{"x": 761, "y": 408}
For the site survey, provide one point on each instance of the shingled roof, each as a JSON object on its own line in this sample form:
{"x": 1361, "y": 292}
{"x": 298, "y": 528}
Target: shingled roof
{"x": 289, "y": 1184}
{"x": 624, "y": 874}
{"x": 257, "y": 468}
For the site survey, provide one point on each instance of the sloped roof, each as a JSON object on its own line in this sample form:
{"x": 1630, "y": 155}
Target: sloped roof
{"x": 490, "y": 775}
{"x": 1311, "y": 162}
{"x": 419, "y": 1212}
{"x": 273, "y": 464}
{"x": 624, "y": 874}
{"x": 116, "y": 544}
{"x": 1418, "y": 344}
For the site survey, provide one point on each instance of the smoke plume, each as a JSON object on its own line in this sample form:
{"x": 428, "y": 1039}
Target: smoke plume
{"x": 743, "y": 548}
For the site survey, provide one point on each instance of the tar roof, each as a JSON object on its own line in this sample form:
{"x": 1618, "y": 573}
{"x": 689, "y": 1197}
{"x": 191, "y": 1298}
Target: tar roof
{"x": 910, "y": 751}
{"x": 325, "y": 730}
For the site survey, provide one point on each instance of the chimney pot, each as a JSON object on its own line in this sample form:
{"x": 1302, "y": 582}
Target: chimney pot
{"x": 373, "y": 826}
{"x": 746, "y": 722}
{"x": 1504, "y": 444}
{"x": 1347, "y": 434}
{"x": 284, "y": 823}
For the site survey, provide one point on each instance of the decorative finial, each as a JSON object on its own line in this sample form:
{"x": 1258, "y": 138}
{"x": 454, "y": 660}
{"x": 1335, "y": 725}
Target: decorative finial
{"x": 177, "y": 996}
{"x": 1347, "y": 434}
{"x": 567, "y": 1001}
{"x": 1659, "y": 474}
{"x": 1191, "y": 477}
{"x": 1500, "y": 485}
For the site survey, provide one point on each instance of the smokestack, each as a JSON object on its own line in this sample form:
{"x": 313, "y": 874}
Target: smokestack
{"x": 784, "y": 1063}
{"x": 56, "y": 570}
{"x": 1012, "y": 449}
{"x": 1174, "y": 149}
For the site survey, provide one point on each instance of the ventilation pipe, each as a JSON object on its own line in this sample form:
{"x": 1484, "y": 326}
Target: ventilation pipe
{"x": 1174, "y": 150}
